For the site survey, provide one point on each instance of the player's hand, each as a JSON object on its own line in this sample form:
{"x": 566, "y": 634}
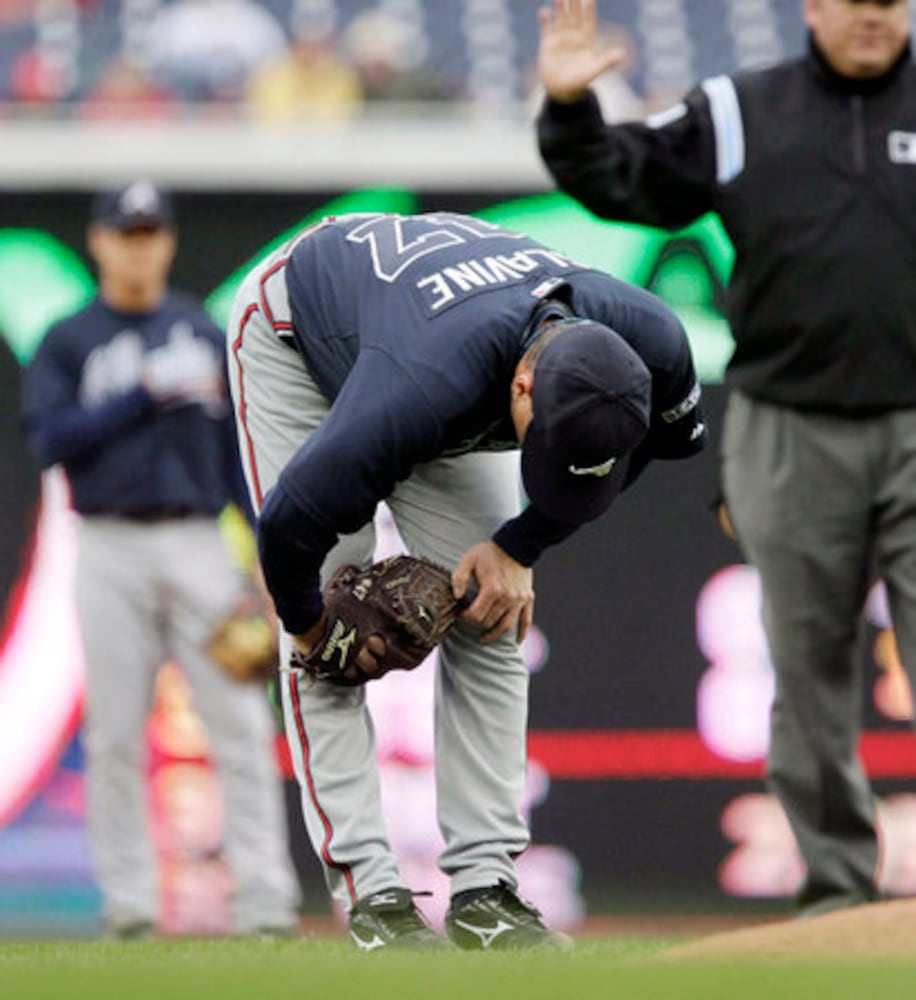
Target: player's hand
{"x": 183, "y": 372}
{"x": 505, "y": 592}
{"x": 368, "y": 658}
{"x": 567, "y": 58}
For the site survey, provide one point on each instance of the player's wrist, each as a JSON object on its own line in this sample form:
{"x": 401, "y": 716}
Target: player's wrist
{"x": 307, "y": 640}
{"x": 566, "y": 94}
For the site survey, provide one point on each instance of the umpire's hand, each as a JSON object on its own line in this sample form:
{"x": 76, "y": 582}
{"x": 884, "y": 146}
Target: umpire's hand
{"x": 505, "y": 591}
{"x": 568, "y": 58}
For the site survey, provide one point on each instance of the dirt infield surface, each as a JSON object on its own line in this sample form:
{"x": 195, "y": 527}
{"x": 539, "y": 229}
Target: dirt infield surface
{"x": 878, "y": 930}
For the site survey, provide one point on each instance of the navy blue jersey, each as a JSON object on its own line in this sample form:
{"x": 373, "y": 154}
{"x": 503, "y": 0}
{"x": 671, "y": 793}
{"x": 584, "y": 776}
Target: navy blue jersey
{"x": 85, "y": 407}
{"x": 412, "y": 327}
{"x": 440, "y": 304}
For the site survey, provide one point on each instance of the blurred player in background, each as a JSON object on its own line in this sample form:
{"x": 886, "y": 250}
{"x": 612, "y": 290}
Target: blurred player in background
{"x": 387, "y": 357}
{"x": 129, "y": 394}
{"x": 811, "y": 166}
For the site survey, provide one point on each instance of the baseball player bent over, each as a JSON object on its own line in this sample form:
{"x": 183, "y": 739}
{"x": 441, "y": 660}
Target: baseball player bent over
{"x": 403, "y": 358}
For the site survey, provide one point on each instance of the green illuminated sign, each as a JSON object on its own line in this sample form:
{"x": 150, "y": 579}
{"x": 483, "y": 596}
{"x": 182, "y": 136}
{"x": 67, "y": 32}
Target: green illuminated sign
{"x": 41, "y": 280}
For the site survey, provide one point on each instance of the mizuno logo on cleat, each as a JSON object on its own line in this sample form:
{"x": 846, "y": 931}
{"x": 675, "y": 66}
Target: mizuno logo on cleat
{"x": 374, "y": 942}
{"x": 486, "y": 935}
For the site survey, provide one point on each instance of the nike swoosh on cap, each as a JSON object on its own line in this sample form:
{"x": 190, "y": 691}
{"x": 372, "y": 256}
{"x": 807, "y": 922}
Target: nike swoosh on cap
{"x": 602, "y": 469}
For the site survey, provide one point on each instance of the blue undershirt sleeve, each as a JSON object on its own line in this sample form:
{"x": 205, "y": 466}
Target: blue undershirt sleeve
{"x": 379, "y": 428}
{"x": 525, "y": 537}
{"x": 292, "y": 547}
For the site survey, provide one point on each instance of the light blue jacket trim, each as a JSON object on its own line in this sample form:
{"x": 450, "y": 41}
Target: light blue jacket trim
{"x": 726, "y": 120}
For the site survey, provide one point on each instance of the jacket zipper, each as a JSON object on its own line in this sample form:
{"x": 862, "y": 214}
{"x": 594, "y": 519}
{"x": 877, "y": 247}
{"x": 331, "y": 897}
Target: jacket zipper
{"x": 858, "y": 133}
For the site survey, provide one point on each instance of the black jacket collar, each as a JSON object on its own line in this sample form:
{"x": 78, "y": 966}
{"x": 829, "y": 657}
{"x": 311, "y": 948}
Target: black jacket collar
{"x": 840, "y": 84}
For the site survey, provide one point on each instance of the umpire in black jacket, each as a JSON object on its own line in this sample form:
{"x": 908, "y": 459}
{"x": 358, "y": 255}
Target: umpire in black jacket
{"x": 811, "y": 165}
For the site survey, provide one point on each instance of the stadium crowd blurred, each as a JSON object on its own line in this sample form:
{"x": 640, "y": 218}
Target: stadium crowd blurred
{"x": 281, "y": 60}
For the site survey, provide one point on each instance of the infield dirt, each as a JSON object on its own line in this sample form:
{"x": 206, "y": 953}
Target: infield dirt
{"x": 877, "y": 930}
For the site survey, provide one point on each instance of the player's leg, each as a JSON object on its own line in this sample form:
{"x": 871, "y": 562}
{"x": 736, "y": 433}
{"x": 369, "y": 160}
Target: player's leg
{"x": 799, "y": 495}
{"x": 332, "y": 741}
{"x": 329, "y": 729}
{"x": 118, "y": 619}
{"x": 481, "y": 700}
{"x": 446, "y": 507}
{"x": 202, "y": 586}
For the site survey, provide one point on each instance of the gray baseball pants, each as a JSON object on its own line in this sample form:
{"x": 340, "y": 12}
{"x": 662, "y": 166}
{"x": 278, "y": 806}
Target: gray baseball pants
{"x": 147, "y": 593}
{"x": 823, "y": 505}
{"x": 481, "y": 691}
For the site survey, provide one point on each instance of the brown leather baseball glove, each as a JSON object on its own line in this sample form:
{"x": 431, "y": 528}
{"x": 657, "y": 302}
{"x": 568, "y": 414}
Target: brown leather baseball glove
{"x": 244, "y": 644}
{"x": 406, "y": 601}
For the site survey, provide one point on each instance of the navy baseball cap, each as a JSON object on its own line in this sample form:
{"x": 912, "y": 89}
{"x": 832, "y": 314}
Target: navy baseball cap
{"x": 591, "y": 406}
{"x": 138, "y": 205}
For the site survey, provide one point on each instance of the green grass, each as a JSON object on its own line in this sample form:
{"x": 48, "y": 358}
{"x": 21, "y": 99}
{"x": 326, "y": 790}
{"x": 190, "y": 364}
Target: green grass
{"x": 329, "y": 969}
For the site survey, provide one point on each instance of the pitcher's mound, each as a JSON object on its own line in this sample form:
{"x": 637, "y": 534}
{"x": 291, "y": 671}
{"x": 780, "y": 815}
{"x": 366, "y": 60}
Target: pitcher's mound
{"x": 875, "y": 930}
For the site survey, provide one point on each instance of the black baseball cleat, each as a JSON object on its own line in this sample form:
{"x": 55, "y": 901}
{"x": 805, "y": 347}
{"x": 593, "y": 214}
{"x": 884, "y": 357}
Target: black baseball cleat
{"x": 499, "y": 919}
{"x": 390, "y": 919}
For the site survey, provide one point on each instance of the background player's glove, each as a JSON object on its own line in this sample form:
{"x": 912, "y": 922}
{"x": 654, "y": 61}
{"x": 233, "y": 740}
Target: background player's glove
{"x": 406, "y": 601}
{"x": 244, "y": 644}
{"x": 720, "y": 510}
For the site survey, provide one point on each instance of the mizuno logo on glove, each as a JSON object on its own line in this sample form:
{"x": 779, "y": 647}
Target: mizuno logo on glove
{"x": 339, "y": 641}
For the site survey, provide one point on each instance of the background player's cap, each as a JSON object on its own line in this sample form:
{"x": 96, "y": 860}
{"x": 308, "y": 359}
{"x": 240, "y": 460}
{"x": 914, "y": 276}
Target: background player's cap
{"x": 591, "y": 404}
{"x": 140, "y": 204}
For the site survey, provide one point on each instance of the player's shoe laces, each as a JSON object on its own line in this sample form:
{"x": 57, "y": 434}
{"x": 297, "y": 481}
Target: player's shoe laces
{"x": 390, "y": 919}
{"x": 498, "y": 918}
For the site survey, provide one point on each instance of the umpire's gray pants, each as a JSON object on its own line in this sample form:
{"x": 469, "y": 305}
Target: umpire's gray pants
{"x": 822, "y": 504}
{"x": 481, "y": 691}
